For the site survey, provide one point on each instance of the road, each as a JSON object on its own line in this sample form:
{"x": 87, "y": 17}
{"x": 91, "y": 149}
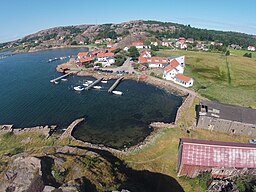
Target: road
{"x": 127, "y": 67}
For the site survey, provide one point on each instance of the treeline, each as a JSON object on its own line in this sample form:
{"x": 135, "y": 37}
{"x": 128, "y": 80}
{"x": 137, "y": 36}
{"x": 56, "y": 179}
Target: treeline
{"x": 227, "y": 38}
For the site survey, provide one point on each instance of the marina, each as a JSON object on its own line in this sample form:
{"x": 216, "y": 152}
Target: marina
{"x": 93, "y": 84}
{"x": 115, "y": 84}
{"x": 59, "y": 105}
{"x": 61, "y": 77}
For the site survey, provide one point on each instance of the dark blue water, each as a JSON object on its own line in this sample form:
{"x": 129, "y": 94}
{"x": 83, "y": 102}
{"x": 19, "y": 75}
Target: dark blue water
{"x": 27, "y": 99}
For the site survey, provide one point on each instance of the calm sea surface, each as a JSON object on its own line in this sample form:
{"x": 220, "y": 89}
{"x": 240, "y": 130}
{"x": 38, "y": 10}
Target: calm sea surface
{"x": 27, "y": 98}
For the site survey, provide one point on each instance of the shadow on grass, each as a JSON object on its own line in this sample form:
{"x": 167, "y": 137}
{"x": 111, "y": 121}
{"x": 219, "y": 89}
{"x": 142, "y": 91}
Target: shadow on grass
{"x": 138, "y": 180}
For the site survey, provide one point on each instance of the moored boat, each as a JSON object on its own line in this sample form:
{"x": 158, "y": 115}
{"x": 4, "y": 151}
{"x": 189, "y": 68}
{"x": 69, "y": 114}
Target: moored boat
{"x": 64, "y": 79}
{"x": 89, "y": 82}
{"x": 104, "y": 81}
{"x": 78, "y": 88}
{"x": 117, "y": 92}
{"x": 97, "y": 87}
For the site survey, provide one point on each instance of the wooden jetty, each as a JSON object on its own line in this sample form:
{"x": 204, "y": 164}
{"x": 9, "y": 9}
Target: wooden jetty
{"x": 115, "y": 85}
{"x": 58, "y": 78}
{"x": 93, "y": 83}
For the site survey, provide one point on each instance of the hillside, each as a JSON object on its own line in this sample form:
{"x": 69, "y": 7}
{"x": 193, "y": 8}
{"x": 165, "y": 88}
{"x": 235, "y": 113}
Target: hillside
{"x": 134, "y": 30}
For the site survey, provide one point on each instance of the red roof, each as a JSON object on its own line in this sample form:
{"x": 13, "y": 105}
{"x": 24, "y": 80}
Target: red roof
{"x": 169, "y": 68}
{"x": 137, "y": 44}
{"x": 218, "y": 154}
{"x": 174, "y": 63}
{"x": 153, "y": 60}
{"x": 183, "y": 78}
{"x": 87, "y": 59}
{"x": 82, "y": 54}
{"x": 145, "y": 53}
{"x": 105, "y": 54}
{"x": 143, "y": 59}
{"x": 162, "y": 60}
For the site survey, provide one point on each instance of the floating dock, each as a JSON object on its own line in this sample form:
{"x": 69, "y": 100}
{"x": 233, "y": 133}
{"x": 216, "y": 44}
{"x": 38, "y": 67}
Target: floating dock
{"x": 93, "y": 83}
{"x": 58, "y": 78}
{"x": 115, "y": 85}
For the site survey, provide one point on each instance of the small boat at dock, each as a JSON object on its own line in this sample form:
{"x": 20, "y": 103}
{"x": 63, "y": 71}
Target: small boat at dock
{"x": 89, "y": 81}
{"x": 86, "y": 84}
{"x": 117, "y": 92}
{"x": 104, "y": 81}
{"x": 64, "y": 79}
{"x": 97, "y": 87}
{"x": 78, "y": 88}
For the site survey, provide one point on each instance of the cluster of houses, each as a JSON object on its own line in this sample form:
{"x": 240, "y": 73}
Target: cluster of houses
{"x": 223, "y": 160}
{"x": 173, "y": 67}
{"x": 103, "y": 56}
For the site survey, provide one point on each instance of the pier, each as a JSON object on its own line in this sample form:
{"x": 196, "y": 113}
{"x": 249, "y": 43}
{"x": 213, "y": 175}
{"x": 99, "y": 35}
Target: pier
{"x": 58, "y": 78}
{"x": 115, "y": 84}
{"x": 93, "y": 83}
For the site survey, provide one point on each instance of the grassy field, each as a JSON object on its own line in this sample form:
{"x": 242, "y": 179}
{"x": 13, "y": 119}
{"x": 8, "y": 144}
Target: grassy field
{"x": 240, "y": 53}
{"x": 225, "y": 79}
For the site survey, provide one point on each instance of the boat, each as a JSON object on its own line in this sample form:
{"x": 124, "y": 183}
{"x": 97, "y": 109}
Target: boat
{"x": 97, "y": 87}
{"x": 78, "y": 88}
{"x": 85, "y": 84}
{"x": 104, "y": 81}
{"x": 117, "y": 92}
{"x": 89, "y": 81}
{"x": 56, "y": 82}
{"x": 64, "y": 79}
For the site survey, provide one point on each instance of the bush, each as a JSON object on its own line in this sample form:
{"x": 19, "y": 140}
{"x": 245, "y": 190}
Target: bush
{"x": 249, "y": 55}
{"x": 74, "y": 43}
{"x": 16, "y": 151}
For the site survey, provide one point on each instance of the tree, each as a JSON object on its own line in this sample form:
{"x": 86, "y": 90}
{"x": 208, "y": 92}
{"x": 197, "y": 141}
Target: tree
{"x": 133, "y": 53}
{"x": 74, "y": 43}
{"x": 227, "y": 53}
{"x": 154, "y": 48}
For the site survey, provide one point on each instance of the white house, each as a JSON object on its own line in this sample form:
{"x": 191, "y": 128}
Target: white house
{"x": 126, "y": 48}
{"x": 108, "y": 62}
{"x": 251, "y": 48}
{"x": 174, "y": 72}
{"x": 138, "y": 45}
{"x": 154, "y": 43}
{"x": 183, "y": 80}
{"x": 145, "y": 53}
{"x": 102, "y": 57}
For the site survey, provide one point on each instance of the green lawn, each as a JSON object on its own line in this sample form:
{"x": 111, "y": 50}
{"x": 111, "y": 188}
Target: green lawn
{"x": 240, "y": 53}
{"x": 225, "y": 79}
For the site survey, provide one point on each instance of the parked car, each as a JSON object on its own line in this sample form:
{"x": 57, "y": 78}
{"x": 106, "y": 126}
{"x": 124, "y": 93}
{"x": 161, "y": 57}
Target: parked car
{"x": 252, "y": 141}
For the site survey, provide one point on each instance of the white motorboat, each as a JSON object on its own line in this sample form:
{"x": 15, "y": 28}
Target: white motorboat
{"x": 85, "y": 84}
{"x": 117, "y": 92}
{"x": 97, "y": 87}
{"x": 56, "y": 82}
{"x": 89, "y": 82}
{"x": 64, "y": 79}
{"x": 78, "y": 88}
{"x": 104, "y": 81}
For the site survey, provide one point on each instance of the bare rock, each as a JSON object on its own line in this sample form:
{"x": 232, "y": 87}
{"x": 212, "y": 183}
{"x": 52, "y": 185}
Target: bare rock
{"x": 23, "y": 174}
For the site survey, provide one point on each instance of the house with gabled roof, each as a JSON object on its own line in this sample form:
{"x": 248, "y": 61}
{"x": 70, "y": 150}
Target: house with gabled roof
{"x": 138, "y": 45}
{"x": 221, "y": 159}
{"x": 174, "y": 72}
{"x": 82, "y": 55}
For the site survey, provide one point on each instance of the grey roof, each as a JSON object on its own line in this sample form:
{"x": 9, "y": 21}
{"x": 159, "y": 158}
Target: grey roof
{"x": 230, "y": 112}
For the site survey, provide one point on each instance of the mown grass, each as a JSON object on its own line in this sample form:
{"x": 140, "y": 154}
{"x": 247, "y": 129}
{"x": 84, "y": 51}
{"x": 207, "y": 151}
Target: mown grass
{"x": 240, "y": 53}
{"x": 217, "y": 77}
